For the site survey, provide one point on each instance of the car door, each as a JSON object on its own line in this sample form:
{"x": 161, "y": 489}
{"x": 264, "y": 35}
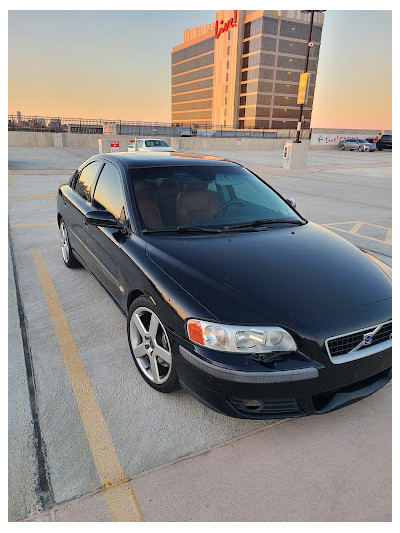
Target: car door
{"x": 104, "y": 243}
{"x": 77, "y": 202}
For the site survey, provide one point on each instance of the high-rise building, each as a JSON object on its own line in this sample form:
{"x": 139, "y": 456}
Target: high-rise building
{"x": 243, "y": 70}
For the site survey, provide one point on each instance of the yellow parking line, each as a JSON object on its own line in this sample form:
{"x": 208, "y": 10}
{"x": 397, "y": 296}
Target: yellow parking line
{"x": 356, "y": 227}
{"x": 11, "y": 179}
{"x": 389, "y": 236}
{"x": 33, "y": 225}
{"x": 120, "y": 497}
{"x": 385, "y": 241}
{"x": 52, "y": 195}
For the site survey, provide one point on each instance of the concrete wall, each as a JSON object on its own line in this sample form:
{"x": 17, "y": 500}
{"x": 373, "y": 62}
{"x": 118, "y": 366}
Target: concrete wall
{"x": 80, "y": 140}
{"x": 211, "y": 143}
{"x": 69, "y": 140}
{"x": 30, "y": 138}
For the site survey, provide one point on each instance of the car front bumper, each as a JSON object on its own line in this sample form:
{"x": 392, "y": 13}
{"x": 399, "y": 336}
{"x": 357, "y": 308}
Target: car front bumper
{"x": 281, "y": 392}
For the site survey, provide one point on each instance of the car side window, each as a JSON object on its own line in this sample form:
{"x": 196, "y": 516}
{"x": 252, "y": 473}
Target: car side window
{"x": 85, "y": 180}
{"x": 108, "y": 195}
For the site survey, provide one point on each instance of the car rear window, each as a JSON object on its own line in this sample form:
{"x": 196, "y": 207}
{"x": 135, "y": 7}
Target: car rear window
{"x": 155, "y": 143}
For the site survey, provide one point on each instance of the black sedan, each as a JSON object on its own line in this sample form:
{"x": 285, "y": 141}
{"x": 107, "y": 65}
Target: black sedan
{"x": 228, "y": 291}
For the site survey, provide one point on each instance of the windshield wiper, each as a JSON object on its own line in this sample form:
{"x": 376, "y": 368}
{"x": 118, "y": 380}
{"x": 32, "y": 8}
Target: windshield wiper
{"x": 184, "y": 229}
{"x": 265, "y": 221}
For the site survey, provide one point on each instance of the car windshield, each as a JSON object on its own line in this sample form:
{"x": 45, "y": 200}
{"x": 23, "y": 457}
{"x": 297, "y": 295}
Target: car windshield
{"x": 205, "y": 197}
{"x": 155, "y": 142}
{"x": 362, "y": 141}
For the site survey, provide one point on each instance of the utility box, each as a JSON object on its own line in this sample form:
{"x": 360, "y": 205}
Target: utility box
{"x": 295, "y": 155}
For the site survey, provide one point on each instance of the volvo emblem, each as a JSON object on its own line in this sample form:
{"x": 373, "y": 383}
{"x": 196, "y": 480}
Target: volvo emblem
{"x": 368, "y": 338}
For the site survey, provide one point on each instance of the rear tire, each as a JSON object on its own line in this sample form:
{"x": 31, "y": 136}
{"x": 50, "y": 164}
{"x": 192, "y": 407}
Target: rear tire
{"x": 150, "y": 346}
{"x": 342, "y": 147}
{"x": 69, "y": 259}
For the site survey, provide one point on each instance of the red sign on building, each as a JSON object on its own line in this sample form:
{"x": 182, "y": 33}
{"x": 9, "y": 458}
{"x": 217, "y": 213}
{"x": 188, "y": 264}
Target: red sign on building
{"x": 114, "y": 145}
{"x": 221, "y": 26}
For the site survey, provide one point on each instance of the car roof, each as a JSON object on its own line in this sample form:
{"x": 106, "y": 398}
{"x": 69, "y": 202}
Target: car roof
{"x": 162, "y": 159}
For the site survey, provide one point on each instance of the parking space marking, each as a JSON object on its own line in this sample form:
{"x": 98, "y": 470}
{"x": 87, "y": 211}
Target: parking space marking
{"x": 52, "y": 195}
{"x": 35, "y": 224}
{"x": 120, "y": 497}
{"x": 358, "y": 224}
{"x": 11, "y": 179}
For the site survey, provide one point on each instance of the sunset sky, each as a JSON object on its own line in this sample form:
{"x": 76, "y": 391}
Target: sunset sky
{"x": 116, "y": 65}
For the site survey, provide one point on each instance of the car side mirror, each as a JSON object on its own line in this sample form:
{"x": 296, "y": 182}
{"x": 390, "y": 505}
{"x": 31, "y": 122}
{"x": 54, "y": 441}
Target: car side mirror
{"x": 103, "y": 219}
{"x": 291, "y": 202}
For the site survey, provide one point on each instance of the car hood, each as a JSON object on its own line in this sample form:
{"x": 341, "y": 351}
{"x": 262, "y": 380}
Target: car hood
{"x": 272, "y": 276}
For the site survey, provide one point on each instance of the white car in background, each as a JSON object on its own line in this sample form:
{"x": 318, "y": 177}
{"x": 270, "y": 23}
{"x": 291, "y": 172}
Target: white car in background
{"x": 149, "y": 145}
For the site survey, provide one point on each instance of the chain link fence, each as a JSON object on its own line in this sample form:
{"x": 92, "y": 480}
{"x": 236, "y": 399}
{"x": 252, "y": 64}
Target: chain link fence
{"x": 121, "y": 127}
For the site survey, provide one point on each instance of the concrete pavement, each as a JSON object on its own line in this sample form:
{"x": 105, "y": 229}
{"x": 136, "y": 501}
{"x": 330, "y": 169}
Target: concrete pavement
{"x": 151, "y": 433}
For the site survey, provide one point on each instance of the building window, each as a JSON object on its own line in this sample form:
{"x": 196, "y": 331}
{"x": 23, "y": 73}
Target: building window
{"x": 226, "y": 100}
{"x": 227, "y": 76}
{"x": 227, "y": 64}
{"x": 229, "y": 35}
{"x": 229, "y": 50}
{"x": 226, "y": 88}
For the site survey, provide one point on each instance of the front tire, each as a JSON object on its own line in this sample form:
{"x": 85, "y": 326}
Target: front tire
{"x": 66, "y": 251}
{"x": 150, "y": 346}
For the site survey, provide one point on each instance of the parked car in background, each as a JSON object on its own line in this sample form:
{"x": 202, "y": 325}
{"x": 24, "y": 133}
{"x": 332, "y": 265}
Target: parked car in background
{"x": 149, "y": 145}
{"x": 357, "y": 144}
{"x": 384, "y": 143}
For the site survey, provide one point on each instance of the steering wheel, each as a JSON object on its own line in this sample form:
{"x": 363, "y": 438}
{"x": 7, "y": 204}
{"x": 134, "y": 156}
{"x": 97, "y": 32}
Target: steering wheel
{"x": 223, "y": 207}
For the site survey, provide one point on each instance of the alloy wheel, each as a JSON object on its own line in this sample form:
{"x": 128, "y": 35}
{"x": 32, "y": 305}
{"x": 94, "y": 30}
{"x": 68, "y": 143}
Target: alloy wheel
{"x": 64, "y": 243}
{"x": 150, "y": 345}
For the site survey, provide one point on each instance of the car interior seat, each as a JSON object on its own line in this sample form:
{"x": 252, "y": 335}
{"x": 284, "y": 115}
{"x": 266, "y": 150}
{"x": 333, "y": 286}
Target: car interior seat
{"x": 167, "y": 192}
{"x": 148, "y": 209}
{"x": 195, "y": 203}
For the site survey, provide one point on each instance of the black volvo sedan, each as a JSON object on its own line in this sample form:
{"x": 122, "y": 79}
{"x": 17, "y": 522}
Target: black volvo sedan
{"x": 228, "y": 291}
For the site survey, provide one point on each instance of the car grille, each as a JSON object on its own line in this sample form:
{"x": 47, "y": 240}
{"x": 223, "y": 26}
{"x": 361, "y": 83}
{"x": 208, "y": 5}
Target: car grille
{"x": 344, "y": 344}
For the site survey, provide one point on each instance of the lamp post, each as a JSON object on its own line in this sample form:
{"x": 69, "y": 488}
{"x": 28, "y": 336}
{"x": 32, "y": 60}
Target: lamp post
{"x": 309, "y": 45}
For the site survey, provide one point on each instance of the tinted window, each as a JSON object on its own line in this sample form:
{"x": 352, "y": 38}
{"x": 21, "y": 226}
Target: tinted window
{"x": 86, "y": 179}
{"x": 196, "y": 188}
{"x": 108, "y": 193}
{"x": 155, "y": 142}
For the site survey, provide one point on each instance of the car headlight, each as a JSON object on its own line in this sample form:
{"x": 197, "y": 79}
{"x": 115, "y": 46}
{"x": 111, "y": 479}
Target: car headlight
{"x": 240, "y": 339}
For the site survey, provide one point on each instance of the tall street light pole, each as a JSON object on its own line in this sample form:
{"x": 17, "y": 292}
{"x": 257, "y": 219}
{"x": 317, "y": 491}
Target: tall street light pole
{"x": 309, "y": 45}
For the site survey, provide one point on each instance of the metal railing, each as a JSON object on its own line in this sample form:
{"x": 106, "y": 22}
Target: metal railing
{"x": 122, "y": 127}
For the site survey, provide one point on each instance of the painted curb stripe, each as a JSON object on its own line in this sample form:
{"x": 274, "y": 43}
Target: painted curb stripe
{"x": 52, "y": 195}
{"x": 120, "y": 497}
{"x": 37, "y": 224}
{"x": 11, "y": 179}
